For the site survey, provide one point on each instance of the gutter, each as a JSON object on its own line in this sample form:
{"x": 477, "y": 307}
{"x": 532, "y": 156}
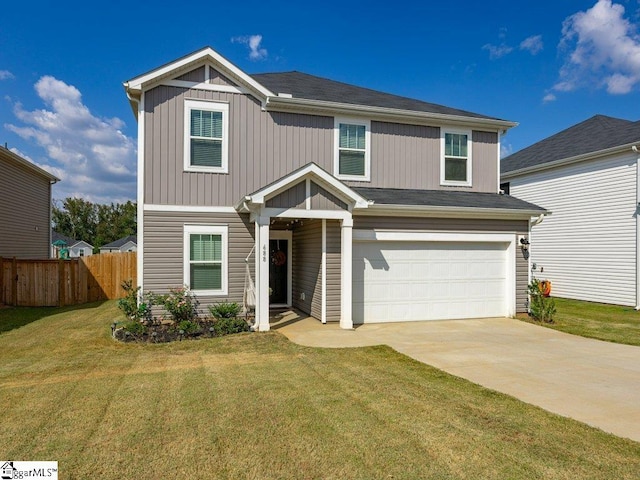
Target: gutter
{"x": 446, "y": 211}
{"x": 279, "y": 103}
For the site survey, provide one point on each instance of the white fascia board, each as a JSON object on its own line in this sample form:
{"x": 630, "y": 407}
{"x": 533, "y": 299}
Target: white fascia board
{"x": 449, "y": 212}
{"x": 137, "y": 84}
{"x": 28, "y": 165}
{"x": 301, "y": 213}
{"x": 568, "y": 161}
{"x": 317, "y": 174}
{"x": 149, "y": 207}
{"x": 386, "y": 114}
{"x": 484, "y": 237}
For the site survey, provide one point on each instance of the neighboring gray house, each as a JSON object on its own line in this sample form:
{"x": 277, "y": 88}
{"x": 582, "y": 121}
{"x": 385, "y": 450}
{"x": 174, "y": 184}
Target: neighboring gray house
{"x": 67, "y": 247}
{"x": 588, "y": 176}
{"x": 125, "y": 244}
{"x": 349, "y": 204}
{"x": 25, "y": 207}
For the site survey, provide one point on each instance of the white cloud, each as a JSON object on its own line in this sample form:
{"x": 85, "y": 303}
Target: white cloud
{"x": 603, "y": 50}
{"x": 549, "y": 97}
{"x": 497, "y": 51}
{"x": 256, "y": 52}
{"x": 90, "y": 154}
{"x": 506, "y": 149}
{"x": 533, "y": 44}
{"x": 6, "y": 75}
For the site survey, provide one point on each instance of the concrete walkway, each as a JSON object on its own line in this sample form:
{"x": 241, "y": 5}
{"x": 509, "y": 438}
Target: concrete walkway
{"x": 595, "y": 382}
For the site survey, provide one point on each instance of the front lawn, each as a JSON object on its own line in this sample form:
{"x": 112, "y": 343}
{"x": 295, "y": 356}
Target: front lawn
{"x": 612, "y": 323}
{"x": 257, "y": 406}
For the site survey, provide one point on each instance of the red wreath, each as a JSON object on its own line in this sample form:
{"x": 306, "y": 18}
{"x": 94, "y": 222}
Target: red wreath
{"x": 279, "y": 258}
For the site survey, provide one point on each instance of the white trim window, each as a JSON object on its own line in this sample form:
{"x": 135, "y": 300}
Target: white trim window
{"x": 206, "y": 136}
{"x": 352, "y": 149}
{"x": 206, "y": 259}
{"x": 455, "y": 164}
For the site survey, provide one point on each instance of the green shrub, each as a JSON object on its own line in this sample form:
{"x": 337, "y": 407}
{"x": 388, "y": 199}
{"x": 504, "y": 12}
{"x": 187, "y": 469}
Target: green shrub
{"x": 541, "y": 308}
{"x": 180, "y": 303}
{"x": 134, "y": 327}
{"x": 224, "y": 310}
{"x": 227, "y": 326}
{"x": 129, "y": 304}
{"x": 189, "y": 327}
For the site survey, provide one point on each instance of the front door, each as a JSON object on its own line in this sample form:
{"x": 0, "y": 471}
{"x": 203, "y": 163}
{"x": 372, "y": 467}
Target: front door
{"x": 278, "y": 268}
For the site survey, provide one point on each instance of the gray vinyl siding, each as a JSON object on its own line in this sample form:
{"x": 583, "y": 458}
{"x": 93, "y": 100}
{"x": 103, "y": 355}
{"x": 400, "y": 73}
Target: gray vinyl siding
{"x": 323, "y": 200}
{"x": 164, "y": 244}
{"x": 458, "y": 225}
{"x": 522, "y": 277}
{"x": 333, "y": 270}
{"x": 307, "y": 268}
{"x": 265, "y": 146}
{"x": 294, "y": 197}
{"x": 196, "y": 75}
{"x": 25, "y": 228}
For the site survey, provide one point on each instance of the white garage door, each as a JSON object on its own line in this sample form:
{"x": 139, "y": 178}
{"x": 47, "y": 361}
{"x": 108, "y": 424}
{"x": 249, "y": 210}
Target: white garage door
{"x": 401, "y": 281}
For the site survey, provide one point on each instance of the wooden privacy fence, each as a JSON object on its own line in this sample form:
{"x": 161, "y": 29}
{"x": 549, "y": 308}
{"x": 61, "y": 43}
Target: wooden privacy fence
{"x": 48, "y": 283}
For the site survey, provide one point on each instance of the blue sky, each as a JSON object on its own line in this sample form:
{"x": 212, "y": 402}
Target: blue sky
{"x": 545, "y": 64}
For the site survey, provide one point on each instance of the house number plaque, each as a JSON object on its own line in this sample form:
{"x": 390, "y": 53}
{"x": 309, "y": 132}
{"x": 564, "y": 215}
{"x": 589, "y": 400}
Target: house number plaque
{"x": 264, "y": 253}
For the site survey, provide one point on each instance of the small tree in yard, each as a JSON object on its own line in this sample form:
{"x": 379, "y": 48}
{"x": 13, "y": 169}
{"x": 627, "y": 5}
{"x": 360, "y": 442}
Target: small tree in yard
{"x": 541, "y": 307}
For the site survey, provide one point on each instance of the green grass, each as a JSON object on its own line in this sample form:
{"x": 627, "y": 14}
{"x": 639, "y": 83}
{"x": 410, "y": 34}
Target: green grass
{"x": 612, "y": 323}
{"x": 256, "y": 406}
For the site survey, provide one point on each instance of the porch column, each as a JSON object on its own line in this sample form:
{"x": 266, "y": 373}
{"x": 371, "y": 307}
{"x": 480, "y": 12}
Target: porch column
{"x": 346, "y": 285}
{"x": 262, "y": 274}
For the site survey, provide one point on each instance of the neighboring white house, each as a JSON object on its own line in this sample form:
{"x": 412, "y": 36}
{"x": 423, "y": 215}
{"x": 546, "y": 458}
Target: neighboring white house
{"x": 588, "y": 176}
{"x": 67, "y": 247}
{"x": 125, "y": 244}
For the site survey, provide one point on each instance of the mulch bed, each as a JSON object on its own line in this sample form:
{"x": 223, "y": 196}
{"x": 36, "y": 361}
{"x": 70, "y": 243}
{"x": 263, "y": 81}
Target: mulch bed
{"x": 165, "y": 332}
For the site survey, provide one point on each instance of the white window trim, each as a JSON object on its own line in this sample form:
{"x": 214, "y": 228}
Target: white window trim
{"x": 367, "y": 152}
{"x": 468, "y": 133}
{"x": 207, "y": 230}
{"x": 213, "y": 107}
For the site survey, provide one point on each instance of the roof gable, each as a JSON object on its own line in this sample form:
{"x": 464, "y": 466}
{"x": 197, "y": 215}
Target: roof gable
{"x": 593, "y": 135}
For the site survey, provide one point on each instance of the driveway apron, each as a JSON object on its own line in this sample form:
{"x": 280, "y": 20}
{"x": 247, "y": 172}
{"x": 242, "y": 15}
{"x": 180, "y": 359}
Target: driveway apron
{"x": 595, "y": 382}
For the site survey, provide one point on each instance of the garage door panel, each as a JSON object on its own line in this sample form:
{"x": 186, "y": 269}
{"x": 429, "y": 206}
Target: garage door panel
{"x": 404, "y": 281}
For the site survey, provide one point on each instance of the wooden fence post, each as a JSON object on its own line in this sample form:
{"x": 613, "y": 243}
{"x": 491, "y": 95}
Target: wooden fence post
{"x": 61, "y": 283}
{"x": 14, "y": 281}
{"x": 2, "y": 299}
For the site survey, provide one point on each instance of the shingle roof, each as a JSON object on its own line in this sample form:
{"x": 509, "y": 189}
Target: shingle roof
{"x": 444, "y": 198}
{"x": 55, "y": 236}
{"x": 597, "y": 133}
{"x": 303, "y": 85}
{"x": 121, "y": 241}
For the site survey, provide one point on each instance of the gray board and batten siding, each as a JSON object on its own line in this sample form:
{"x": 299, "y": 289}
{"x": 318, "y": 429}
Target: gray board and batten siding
{"x": 295, "y": 197}
{"x": 265, "y": 146}
{"x": 517, "y": 227}
{"x": 307, "y": 268}
{"x": 25, "y": 213}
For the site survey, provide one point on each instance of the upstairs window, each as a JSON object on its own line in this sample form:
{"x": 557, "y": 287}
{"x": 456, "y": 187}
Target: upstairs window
{"x": 455, "y": 166}
{"x": 206, "y": 136}
{"x": 352, "y": 156}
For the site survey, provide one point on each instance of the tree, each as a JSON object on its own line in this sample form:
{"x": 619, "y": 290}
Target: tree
{"x": 94, "y": 223}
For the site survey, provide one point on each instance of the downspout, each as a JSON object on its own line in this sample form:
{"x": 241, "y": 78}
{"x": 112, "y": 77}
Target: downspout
{"x": 51, "y": 184}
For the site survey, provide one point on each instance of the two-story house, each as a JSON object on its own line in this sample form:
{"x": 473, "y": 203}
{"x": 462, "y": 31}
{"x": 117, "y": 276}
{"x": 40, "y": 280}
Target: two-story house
{"x": 25, "y": 207}
{"x": 588, "y": 175}
{"x": 349, "y": 204}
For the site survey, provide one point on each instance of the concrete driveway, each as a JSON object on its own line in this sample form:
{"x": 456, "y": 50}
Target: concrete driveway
{"x": 595, "y": 382}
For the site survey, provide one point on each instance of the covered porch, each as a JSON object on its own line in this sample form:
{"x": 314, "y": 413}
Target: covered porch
{"x": 303, "y": 246}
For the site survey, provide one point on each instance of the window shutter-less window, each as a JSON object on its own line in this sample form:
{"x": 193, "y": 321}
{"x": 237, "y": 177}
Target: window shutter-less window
{"x": 352, "y": 150}
{"x": 206, "y": 138}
